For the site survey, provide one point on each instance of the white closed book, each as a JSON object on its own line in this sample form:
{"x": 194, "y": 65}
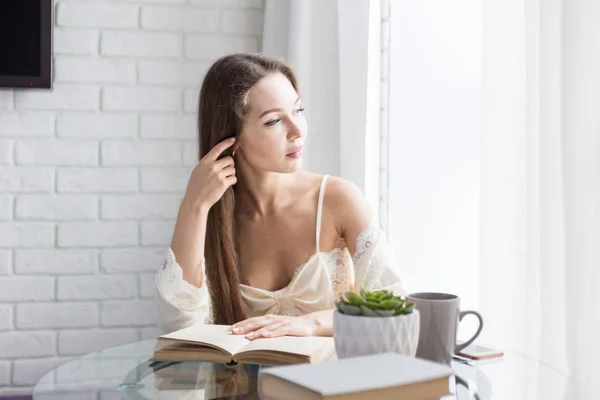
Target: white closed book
{"x": 382, "y": 376}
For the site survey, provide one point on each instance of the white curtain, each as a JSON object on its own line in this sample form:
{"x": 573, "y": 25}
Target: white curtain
{"x": 305, "y": 34}
{"x": 540, "y": 198}
{"x": 334, "y": 48}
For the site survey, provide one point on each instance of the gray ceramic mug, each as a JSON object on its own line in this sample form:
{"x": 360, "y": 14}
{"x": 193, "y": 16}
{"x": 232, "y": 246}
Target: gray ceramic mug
{"x": 440, "y": 316}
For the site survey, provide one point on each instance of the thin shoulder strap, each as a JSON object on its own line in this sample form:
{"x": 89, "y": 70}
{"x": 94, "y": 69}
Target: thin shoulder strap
{"x": 320, "y": 209}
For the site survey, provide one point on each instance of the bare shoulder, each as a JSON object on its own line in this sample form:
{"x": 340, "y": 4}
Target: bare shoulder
{"x": 346, "y": 202}
{"x": 340, "y": 190}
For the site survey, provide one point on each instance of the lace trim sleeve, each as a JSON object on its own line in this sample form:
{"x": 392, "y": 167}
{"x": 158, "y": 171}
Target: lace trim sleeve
{"x": 374, "y": 264}
{"x": 177, "y": 291}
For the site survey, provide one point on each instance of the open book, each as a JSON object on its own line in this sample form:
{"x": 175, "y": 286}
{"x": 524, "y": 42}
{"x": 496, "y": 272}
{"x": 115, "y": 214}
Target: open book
{"x": 207, "y": 342}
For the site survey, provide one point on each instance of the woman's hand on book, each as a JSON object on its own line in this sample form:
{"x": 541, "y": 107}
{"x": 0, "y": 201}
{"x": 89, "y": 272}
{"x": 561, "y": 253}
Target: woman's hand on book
{"x": 270, "y": 326}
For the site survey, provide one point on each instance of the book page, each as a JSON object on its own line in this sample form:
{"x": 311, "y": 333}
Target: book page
{"x": 302, "y": 345}
{"x": 215, "y": 335}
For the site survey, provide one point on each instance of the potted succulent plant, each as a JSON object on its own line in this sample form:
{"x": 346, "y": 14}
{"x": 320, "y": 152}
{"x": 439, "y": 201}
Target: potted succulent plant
{"x": 375, "y": 322}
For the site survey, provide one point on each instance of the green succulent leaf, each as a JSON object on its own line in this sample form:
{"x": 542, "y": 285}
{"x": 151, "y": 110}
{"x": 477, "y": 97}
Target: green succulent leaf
{"x": 391, "y": 304}
{"x": 349, "y": 309}
{"x": 338, "y": 306}
{"x": 368, "y": 312}
{"x": 363, "y": 294}
{"x": 374, "y": 305}
{"x": 400, "y": 311}
{"x": 385, "y": 313}
{"x": 346, "y": 302}
{"x": 355, "y": 299}
{"x": 387, "y": 296}
{"x": 371, "y": 297}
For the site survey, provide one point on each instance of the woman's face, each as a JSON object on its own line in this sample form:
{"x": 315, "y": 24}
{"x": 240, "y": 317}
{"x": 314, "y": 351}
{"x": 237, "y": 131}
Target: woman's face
{"x": 274, "y": 128}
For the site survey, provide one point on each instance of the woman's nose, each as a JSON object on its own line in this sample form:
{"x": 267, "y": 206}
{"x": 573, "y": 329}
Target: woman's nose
{"x": 295, "y": 129}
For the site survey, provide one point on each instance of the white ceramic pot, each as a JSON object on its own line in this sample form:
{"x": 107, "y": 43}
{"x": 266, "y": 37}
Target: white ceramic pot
{"x": 360, "y": 335}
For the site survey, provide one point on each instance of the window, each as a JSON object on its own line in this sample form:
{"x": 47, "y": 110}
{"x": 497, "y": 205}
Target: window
{"x": 433, "y": 143}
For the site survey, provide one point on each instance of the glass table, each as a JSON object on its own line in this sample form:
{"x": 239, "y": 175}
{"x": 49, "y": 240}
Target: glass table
{"x": 125, "y": 372}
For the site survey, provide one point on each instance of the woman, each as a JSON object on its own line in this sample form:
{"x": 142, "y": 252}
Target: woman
{"x": 258, "y": 243}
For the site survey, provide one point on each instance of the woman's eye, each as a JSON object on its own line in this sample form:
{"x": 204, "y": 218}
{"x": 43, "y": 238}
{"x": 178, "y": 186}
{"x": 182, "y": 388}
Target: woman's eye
{"x": 271, "y": 123}
{"x": 274, "y": 121}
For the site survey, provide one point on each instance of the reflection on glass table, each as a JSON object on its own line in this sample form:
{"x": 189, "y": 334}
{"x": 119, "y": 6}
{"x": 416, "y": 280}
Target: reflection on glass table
{"x": 125, "y": 372}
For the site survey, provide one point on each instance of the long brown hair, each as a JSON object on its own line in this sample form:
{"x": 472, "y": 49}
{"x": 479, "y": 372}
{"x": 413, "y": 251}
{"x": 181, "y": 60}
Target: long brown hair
{"x": 222, "y": 106}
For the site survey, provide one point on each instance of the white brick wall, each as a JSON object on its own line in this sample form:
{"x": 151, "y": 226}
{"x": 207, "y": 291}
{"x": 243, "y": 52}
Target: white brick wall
{"x": 168, "y": 127}
{"x": 6, "y": 150}
{"x": 6, "y": 207}
{"x": 5, "y": 317}
{"x": 56, "y": 207}
{"x": 55, "y": 262}
{"x": 141, "y": 44}
{"x": 76, "y": 41}
{"x": 62, "y": 97}
{"x": 170, "y": 72}
{"x": 97, "y": 14}
{"x": 17, "y": 288}
{"x": 77, "y": 69}
{"x": 179, "y": 18}
{"x": 26, "y": 180}
{"x": 56, "y": 315}
{"x": 165, "y": 180}
{"x": 29, "y": 372}
{"x": 140, "y": 153}
{"x": 97, "y": 234}
{"x": 50, "y": 152}
{"x": 73, "y": 342}
{"x": 100, "y": 125}
{"x": 97, "y": 180}
{"x": 5, "y": 262}
{"x": 26, "y": 124}
{"x": 27, "y": 344}
{"x": 4, "y": 373}
{"x": 92, "y": 173}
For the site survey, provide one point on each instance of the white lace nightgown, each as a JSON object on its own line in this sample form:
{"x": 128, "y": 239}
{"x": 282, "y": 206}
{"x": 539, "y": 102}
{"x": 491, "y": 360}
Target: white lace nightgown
{"x": 316, "y": 284}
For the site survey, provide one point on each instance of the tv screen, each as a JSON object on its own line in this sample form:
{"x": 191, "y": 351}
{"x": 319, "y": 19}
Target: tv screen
{"x": 25, "y": 43}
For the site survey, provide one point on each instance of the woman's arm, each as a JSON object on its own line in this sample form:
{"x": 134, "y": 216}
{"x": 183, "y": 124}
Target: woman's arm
{"x": 321, "y": 322}
{"x": 181, "y": 296}
{"x": 178, "y": 303}
{"x": 188, "y": 240}
{"x": 208, "y": 181}
{"x": 373, "y": 259}
{"x": 349, "y": 208}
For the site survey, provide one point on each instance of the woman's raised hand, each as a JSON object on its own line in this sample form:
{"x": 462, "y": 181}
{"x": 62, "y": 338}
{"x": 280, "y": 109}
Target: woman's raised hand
{"x": 211, "y": 177}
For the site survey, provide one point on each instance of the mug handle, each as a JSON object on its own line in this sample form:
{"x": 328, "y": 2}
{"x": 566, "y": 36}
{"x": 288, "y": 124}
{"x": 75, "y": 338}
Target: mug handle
{"x": 461, "y": 315}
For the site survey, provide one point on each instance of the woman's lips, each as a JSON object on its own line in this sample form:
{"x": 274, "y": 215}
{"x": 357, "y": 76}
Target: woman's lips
{"x": 296, "y": 153}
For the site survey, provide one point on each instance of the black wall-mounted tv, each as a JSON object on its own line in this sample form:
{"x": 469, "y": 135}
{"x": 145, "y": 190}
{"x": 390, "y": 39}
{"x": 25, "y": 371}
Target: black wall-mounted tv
{"x": 26, "y": 43}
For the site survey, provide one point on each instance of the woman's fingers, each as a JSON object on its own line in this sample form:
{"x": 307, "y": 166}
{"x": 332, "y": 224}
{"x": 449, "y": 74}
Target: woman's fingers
{"x": 229, "y": 171}
{"x": 271, "y": 326}
{"x": 231, "y": 180}
{"x": 219, "y": 148}
{"x": 224, "y": 163}
{"x": 251, "y": 324}
{"x": 273, "y": 330}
